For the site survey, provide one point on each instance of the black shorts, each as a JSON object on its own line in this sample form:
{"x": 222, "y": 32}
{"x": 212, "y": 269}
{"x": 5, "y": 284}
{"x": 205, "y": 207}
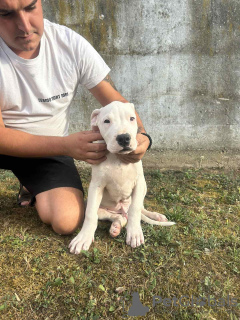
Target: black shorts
{"x": 43, "y": 174}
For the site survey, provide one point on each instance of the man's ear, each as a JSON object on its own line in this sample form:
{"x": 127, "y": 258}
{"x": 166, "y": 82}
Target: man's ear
{"x": 94, "y": 117}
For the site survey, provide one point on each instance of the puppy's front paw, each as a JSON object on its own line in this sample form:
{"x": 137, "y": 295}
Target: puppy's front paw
{"x": 82, "y": 241}
{"x": 134, "y": 236}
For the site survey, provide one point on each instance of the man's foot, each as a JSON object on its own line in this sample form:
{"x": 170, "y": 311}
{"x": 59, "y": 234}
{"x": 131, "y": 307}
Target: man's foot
{"x": 24, "y": 197}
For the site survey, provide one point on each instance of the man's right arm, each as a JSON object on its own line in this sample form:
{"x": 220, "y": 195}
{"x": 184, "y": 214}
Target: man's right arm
{"x": 1, "y": 120}
{"x": 78, "y": 145}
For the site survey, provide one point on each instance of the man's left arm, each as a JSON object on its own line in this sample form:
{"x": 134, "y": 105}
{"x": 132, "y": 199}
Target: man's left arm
{"x": 105, "y": 92}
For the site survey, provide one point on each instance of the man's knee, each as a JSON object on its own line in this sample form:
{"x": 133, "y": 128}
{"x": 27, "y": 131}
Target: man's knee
{"x": 62, "y": 208}
{"x": 67, "y": 224}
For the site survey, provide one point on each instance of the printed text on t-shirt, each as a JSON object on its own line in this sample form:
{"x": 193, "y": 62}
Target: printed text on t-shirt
{"x": 59, "y": 96}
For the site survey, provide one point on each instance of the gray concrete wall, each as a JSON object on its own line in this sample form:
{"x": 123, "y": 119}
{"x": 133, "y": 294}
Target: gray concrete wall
{"x": 177, "y": 61}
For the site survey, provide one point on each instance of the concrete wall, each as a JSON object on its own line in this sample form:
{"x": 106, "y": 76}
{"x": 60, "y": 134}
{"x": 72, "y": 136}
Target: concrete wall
{"x": 178, "y": 61}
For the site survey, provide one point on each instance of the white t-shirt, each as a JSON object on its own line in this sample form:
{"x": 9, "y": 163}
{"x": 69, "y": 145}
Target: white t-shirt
{"x": 35, "y": 94}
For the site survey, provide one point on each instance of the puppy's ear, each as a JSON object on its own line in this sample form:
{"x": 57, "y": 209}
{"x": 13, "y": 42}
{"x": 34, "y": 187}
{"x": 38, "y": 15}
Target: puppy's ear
{"x": 132, "y": 106}
{"x": 94, "y": 117}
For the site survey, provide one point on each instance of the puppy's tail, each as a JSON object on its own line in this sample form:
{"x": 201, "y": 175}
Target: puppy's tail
{"x": 159, "y": 223}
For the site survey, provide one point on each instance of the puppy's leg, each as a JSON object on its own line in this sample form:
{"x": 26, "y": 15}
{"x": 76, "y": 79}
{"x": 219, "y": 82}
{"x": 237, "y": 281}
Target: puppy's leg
{"x": 154, "y": 215}
{"x": 118, "y": 221}
{"x": 86, "y": 236}
{"x": 134, "y": 230}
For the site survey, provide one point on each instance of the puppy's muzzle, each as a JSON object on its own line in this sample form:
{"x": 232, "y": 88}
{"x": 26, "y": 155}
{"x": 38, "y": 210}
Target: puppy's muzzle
{"x": 124, "y": 140}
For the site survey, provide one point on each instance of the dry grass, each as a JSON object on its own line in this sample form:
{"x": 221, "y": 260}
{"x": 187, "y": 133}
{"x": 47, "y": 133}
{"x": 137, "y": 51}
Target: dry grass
{"x": 199, "y": 257}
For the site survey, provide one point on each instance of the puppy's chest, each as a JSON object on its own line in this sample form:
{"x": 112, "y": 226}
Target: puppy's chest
{"x": 120, "y": 180}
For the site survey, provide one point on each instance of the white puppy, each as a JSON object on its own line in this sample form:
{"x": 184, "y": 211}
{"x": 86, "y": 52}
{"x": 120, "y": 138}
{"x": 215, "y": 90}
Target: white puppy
{"x": 117, "y": 190}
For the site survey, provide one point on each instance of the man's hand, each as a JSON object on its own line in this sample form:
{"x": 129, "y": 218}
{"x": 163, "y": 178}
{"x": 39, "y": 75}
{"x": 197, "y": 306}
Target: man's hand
{"x": 136, "y": 155}
{"x": 80, "y": 146}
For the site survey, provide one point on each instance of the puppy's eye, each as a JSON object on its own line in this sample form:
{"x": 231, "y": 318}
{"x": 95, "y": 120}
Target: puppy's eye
{"x": 132, "y": 118}
{"x": 106, "y": 121}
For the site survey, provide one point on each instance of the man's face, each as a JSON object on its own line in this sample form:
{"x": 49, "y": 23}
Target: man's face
{"x": 21, "y": 26}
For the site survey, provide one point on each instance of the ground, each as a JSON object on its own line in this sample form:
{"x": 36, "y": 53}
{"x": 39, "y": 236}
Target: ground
{"x": 196, "y": 262}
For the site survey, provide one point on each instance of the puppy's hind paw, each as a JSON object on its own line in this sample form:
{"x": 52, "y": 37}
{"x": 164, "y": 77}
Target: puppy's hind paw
{"x": 115, "y": 228}
{"x": 154, "y": 215}
{"x": 159, "y": 217}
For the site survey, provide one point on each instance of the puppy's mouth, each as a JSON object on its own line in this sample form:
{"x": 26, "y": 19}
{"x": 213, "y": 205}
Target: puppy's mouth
{"x": 126, "y": 150}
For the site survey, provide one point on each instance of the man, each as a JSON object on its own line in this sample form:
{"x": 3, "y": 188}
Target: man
{"x": 41, "y": 65}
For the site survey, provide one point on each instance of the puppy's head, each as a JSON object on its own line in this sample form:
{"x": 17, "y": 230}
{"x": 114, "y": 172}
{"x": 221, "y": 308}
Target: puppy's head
{"x": 117, "y": 125}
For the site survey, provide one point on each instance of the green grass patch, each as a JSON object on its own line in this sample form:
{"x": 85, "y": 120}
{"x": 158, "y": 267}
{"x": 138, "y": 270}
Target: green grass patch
{"x": 199, "y": 257}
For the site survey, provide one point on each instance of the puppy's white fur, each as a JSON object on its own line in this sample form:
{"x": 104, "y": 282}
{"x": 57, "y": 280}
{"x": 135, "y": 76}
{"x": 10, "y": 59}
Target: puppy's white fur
{"x": 117, "y": 190}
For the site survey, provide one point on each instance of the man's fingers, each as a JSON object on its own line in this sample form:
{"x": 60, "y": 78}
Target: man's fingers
{"x": 92, "y": 136}
{"x": 131, "y": 158}
{"x": 96, "y": 147}
{"x": 134, "y": 156}
{"x": 96, "y": 155}
{"x": 98, "y": 161}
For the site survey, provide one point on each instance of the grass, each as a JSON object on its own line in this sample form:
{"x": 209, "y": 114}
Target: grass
{"x": 198, "y": 257}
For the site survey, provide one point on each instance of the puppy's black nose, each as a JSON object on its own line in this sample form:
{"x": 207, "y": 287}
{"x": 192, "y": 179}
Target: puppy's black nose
{"x": 123, "y": 139}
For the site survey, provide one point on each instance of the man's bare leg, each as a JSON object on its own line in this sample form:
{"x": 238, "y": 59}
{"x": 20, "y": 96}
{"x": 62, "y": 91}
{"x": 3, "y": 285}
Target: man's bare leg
{"x": 62, "y": 208}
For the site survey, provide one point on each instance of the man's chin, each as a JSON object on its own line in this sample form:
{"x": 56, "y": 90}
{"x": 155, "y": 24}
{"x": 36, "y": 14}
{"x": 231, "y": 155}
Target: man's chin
{"x": 28, "y": 51}
{"x": 26, "y": 46}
